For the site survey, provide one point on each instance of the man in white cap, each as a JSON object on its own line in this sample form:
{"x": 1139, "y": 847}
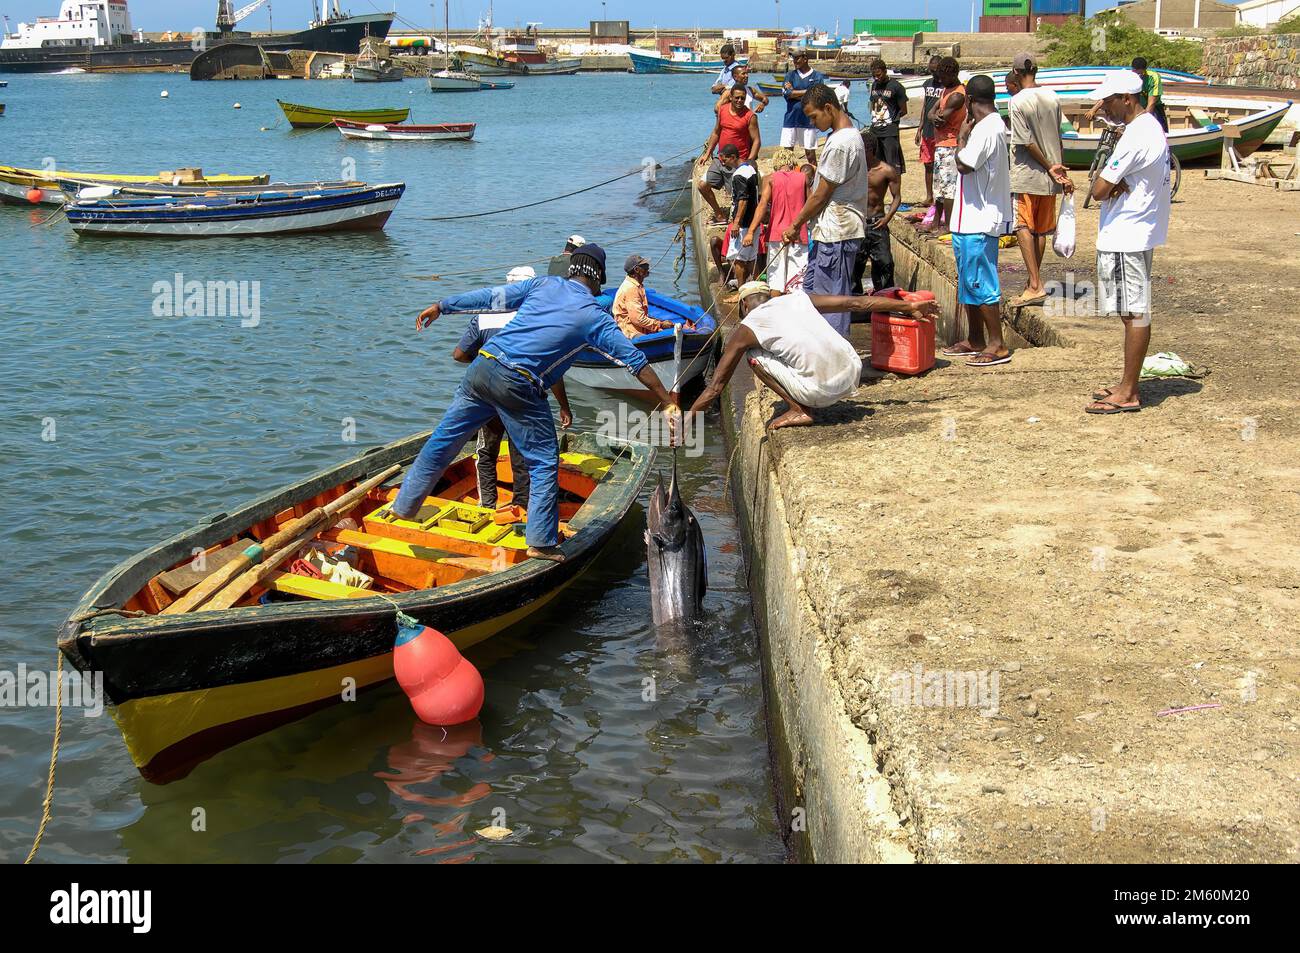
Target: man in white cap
{"x": 560, "y": 263}
{"x": 795, "y": 352}
{"x": 631, "y": 309}
{"x": 1133, "y": 190}
{"x": 478, "y": 332}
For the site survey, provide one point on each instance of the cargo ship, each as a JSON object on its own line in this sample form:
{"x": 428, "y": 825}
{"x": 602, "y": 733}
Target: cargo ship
{"x": 97, "y": 34}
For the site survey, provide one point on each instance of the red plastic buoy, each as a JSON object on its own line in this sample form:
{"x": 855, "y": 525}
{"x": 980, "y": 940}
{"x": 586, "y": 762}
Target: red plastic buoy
{"x": 444, "y": 688}
{"x": 34, "y": 196}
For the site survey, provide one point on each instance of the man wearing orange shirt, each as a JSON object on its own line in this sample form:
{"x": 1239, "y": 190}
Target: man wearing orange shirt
{"x": 631, "y": 309}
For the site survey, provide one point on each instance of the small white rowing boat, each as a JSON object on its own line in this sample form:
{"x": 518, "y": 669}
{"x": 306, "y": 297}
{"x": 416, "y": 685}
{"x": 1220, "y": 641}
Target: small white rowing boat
{"x": 405, "y": 132}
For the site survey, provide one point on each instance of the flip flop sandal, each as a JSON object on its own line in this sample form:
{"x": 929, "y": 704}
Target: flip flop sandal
{"x": 1102, "y": 393}
{"x": 993, "y": 360}
{"x": 955, "y": 352}
{"x": 1023, "y": 302}
{"x": 1115, "y": 409}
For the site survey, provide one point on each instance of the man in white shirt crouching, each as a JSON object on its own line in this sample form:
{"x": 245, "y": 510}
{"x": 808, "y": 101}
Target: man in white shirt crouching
{"x": 795, "y": 352}
{"x": 1134, "y": 193}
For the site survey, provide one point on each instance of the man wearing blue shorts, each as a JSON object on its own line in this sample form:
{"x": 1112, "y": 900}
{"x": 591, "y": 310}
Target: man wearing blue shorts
{"x": 983, "y": 214}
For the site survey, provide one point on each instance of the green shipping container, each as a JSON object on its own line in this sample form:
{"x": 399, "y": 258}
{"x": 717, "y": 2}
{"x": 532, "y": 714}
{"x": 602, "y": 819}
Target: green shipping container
{"x": 1006, "y": 8}
{"x": 895, "y": 27}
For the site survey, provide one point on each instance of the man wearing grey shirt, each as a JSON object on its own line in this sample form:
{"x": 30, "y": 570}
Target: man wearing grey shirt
{"x": 835, "y": 206}
{"x": 1037, "y": 175}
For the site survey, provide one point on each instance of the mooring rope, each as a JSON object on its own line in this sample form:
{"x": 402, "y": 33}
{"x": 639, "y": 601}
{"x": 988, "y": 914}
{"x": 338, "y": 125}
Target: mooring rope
{"x": 47, "y": 804}
{"x": 554, "y": 198}
{"x": 485, "y": 269}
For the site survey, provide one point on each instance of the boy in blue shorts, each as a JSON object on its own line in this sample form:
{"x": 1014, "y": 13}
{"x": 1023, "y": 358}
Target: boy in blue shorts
{"x": 982, "y": 214}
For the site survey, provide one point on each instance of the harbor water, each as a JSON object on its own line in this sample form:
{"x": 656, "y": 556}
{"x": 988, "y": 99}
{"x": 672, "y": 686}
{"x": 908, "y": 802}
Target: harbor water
{"x": 127, "y": 423}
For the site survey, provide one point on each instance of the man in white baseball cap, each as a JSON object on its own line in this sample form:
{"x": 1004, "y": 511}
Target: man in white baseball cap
{"x": 560, "y": 263}
{"x": 793, "y": 351}
{"x": 1133, "y": 189}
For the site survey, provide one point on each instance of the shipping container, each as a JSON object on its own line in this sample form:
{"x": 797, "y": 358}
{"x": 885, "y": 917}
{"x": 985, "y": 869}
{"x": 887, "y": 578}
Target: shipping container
{"x": 883, "y": 28}
{"x": 1049, "y": 19}
{"x": 1006, "y": 8}
{"x": 1074, "y": 8}
{"x": 1004, "y": 24}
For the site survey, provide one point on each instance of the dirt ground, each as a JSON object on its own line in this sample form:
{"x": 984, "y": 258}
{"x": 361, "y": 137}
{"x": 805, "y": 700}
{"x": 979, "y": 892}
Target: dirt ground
{"x": 1107, "y": 569}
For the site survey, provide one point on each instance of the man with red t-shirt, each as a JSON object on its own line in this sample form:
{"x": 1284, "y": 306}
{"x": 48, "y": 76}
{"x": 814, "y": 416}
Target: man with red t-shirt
{"x": 735, "y": 125}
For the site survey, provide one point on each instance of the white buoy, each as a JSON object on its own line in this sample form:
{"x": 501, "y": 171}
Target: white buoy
{"x": 164, "y": 94}
{"x": 237, "y": 106}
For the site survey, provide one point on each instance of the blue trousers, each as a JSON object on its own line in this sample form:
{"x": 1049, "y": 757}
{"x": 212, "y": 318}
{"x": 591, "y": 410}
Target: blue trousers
{"x": 490, "y": 390}
{"x": 830, "y": 272}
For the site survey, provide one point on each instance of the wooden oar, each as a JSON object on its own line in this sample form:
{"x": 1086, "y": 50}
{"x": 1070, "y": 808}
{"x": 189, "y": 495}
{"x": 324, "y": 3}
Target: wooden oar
{"x": 273, "y": 544}
{"x": 226, "y": 597}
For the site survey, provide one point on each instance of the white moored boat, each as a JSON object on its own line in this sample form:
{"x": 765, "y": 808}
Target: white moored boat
{"x": 406, "y": 132}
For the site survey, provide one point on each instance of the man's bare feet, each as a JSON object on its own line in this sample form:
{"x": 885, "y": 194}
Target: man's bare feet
{"x": 791, "y": 418}
{"x": 551, "y": 553}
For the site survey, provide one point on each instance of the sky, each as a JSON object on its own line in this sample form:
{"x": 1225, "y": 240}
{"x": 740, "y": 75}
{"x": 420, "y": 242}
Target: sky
{"x": 158, "y": 15}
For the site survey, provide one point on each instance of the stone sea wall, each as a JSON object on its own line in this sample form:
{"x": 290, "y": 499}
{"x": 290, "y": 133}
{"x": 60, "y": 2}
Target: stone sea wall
{"x": 1272, "y": 61}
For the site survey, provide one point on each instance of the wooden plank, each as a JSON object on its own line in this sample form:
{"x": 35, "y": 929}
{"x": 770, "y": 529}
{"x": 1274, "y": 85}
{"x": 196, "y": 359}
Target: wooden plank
{"x": 182, "y": 579}
{"x": 297, "y": 585}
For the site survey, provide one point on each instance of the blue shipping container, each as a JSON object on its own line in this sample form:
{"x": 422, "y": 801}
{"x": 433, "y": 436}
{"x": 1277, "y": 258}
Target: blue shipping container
{"x": 1073, "y": 8}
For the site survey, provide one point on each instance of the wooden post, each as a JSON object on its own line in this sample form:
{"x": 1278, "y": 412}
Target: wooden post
{"x": 1228, "y": 160}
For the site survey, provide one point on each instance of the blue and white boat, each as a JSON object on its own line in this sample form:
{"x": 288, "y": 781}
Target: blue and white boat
{"x": 678, "y": 356}
{"x": 681, "y": 59}
{"x": 267, "y": 212}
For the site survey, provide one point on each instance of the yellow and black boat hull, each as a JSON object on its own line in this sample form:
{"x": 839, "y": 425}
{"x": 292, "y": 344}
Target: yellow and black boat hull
{"x": 186, "y": 686}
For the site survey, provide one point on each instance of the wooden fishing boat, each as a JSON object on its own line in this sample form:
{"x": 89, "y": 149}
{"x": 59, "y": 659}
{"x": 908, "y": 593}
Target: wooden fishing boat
{"x": 255, "y": 213}
{"x": 373, "y": 65}
{"x": 454, "y": 81}
{"x": 78, "y": 189}
{"x": 313, "y": 117}
{"x": 186, "y": 685}
{"x": 680, "y": 59}
{"x": 17, "y": 185}
{"x": 398, "y": 132}
{"x": 678, "y": 356}
{"x": 1196, "y": 125}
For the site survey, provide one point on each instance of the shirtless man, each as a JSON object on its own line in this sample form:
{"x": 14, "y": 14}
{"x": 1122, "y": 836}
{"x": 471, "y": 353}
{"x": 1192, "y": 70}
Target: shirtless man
{"x": 875, "y": 247}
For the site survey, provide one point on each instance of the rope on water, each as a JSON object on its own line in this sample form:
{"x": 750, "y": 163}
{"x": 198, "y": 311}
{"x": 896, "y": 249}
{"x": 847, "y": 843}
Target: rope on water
{"x": 486, "y": 269}
{"x": 554, "y": 198}
{"x": 47, "y": 804}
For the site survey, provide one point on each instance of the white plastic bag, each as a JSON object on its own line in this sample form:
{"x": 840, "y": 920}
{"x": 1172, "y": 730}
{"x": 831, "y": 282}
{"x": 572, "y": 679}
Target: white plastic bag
{"x": 1063, "y": 244}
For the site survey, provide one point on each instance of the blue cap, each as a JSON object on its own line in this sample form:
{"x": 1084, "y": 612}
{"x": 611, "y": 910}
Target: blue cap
{"x": 592, "y": 251}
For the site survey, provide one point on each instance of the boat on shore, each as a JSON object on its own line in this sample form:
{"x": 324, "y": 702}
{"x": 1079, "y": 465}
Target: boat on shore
{"x": 515, "y": 54}
{"x": 18, "y": 185}
{"x": 1196, "y": 125}
{"x": 406, "y": 132}
{"x": 186, "y": 685}
{"x": 678, "y": 356}
{"x": 315, "y": 117}
{"x": 374, "y": 65}
{"x": 361, "y": 208}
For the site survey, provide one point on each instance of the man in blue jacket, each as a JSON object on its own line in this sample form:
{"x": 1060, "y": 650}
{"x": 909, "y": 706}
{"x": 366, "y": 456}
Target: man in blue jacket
{"x": 556, "y": 318}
